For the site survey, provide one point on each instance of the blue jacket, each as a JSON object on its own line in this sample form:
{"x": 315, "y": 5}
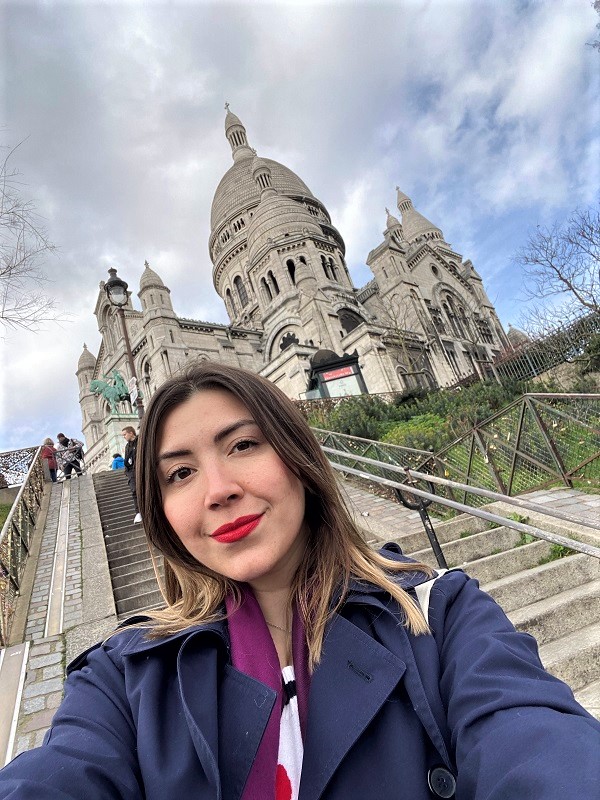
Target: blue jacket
{"x": 172, "y": 718}
{"x": 118, "y": 463}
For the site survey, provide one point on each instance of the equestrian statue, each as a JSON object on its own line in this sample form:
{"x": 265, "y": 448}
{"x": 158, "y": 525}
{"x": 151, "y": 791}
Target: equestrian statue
{"x": 113, "y": 392}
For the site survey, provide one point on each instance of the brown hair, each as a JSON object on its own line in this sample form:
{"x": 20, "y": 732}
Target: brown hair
{"x": 336, "y": 551}
{"x": 129, "y": 429}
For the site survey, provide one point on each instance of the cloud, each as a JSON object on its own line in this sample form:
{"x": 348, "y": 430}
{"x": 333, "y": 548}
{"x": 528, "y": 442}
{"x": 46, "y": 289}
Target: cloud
{"x": 485, "y": 114}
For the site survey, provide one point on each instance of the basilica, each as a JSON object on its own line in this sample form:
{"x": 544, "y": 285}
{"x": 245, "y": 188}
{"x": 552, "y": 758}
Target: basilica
{"x": 295, "y": 316}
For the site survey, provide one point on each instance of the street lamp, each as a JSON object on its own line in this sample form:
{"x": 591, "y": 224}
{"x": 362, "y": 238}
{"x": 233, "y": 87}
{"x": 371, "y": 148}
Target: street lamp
{"x": 116, "y": 291}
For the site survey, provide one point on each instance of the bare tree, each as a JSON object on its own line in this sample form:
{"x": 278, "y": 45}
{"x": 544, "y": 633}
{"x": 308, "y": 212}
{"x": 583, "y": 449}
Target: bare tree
{"x": 596, "y": 43}
{"x": 24, "y": 244}
{"x": 562, "y": 264}
{"x": 407, "y": 337}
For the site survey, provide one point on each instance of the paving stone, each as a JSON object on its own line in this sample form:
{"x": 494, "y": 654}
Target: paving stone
{"x": 43, "y": 687}
{"x": 44, "y": 660}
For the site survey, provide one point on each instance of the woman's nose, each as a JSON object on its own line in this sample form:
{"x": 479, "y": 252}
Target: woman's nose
{"x": 221, "y": 486}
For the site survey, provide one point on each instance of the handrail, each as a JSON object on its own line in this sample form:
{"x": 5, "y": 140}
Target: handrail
{"x": 553, "y": 538}
{"x": 15, "y": 541}
{"x": 487, "y": 493}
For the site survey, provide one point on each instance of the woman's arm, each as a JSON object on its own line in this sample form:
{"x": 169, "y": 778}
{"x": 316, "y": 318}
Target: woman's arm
{"x": 90, "y": 750}
{"x": 516, "y": 730}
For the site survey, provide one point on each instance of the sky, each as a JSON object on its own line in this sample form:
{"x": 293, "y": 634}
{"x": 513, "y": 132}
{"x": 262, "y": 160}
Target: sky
{"x": 485, "y": 113}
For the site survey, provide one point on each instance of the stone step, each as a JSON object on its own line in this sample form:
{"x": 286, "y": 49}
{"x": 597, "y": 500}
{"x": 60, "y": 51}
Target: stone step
{"x": 129, "y": 533}
{"x": 143, "y": 609}
{"x": 121, "y": 552}
{"x": 521, "y": 589}
{"x": 144, "y": 572}
{"x": 143, "y": 586}
{"x": 131, "y": 565}
{"x": 560, "y": 614}
{"x": 589, "y": 698}
{"x": 460, "y": 552}
{"x": 574, "y": 658}
{"x": 135, "y": 603}
{"x": 119, "y": 507}
{"x": 505, "y": 564}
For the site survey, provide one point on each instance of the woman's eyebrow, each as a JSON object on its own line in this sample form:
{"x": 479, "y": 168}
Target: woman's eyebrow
{"x": 222, "y": 434}
{"x": 240, "y": 423}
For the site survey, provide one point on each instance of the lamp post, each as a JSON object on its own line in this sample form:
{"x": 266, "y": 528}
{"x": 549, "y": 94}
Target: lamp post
{"x": 116, "y": 291}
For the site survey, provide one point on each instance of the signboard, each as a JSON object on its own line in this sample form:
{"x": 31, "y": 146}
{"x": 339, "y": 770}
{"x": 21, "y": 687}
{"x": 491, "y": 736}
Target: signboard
{"x": 344, "y": 386}
{"x": 334, "y": 374}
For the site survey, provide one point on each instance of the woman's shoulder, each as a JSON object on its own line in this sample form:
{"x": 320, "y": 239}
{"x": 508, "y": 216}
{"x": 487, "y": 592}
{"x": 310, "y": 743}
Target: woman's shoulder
{"x": 134, "y": 636}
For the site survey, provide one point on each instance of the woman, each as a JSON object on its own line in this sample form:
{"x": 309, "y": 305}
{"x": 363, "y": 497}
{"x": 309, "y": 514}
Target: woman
{"x": 287, "y": 646}
{"x": 48, "y": 453}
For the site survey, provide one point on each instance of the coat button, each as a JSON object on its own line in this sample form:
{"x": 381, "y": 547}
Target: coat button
{"x": 441, "y": 782}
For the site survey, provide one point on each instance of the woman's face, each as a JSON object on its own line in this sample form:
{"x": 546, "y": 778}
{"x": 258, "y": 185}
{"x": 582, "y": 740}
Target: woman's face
{"x": 228, "y": 496}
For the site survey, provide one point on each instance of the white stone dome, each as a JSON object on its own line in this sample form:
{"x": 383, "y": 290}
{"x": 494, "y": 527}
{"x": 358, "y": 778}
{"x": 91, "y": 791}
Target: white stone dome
{"x": 275, "y": 217}
{"x": 150, "y": 278}
{"x": 86, "y": 360}
{"x": 237, "y": 189}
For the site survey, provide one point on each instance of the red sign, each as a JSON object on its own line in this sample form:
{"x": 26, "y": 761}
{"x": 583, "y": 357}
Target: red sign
{"x": 342, "y": 372}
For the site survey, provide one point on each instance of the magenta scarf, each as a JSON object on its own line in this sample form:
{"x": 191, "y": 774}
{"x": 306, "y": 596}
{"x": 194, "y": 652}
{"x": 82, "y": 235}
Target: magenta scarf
{"x": 254, "y": 654}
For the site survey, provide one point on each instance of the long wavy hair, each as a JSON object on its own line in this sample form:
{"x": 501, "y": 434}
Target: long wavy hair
{"x": 336, "y": 552}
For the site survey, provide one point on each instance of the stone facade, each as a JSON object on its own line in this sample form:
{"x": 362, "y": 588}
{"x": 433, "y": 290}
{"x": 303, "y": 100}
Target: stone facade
{"x": 296, "y": 317}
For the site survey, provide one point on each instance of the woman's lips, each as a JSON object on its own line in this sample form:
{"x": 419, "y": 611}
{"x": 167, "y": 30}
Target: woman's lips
{"x": 238, "y": 529}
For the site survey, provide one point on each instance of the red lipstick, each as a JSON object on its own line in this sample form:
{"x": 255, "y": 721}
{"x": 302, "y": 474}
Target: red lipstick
{"x": 238, "y": 529}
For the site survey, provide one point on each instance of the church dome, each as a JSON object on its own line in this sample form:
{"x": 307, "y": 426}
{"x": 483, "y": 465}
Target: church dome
{"x": 276, "y": 217}
{"x": 237, "y": 189}
{"x": 414, "y": 224}
{"x": 86, "y": 360}
{"x": 150, "y": 278}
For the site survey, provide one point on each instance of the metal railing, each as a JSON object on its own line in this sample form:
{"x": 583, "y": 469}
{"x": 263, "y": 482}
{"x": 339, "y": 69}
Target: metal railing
{"x": 379, "y": 472}
{"x": 369, "y": 448}
{"x": 537, "y": 441}
{"x": 17, "y": 531}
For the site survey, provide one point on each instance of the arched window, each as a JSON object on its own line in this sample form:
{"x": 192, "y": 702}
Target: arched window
{"x": 332, "y": 268}
{"x": 349, "y": 320}
{"x": 273, "y": 282}
{"x": 146, "y": 376}
{"x": 266, "y": 290}
{"x": 241, "y": 290}
{"x": 291, "y": 269}
{"x": 230, "y": 302}
{"x": 325, "y": 267}
{"x": 302, "y": 260}
{"x": 448, "y": 307}
{"x": 287, "y": 340}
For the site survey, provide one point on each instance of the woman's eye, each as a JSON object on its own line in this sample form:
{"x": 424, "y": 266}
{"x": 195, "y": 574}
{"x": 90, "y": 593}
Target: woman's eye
{"x": 245, "y": 444}
{"x": 179, "y": 474}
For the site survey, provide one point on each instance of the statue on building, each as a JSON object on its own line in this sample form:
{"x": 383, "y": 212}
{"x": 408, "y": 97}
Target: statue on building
{"x": 113, "y": 392}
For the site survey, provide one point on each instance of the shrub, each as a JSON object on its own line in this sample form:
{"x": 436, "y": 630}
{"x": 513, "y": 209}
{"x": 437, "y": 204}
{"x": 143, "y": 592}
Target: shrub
{"x": 362, "y": 416}
{"x": 423, "y": 432}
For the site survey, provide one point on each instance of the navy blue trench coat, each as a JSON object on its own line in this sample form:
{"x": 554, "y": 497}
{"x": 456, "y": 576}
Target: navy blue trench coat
{"x": 173, "y": 719}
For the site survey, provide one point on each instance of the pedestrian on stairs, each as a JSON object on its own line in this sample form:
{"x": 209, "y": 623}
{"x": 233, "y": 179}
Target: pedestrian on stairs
{"x": 69, "y": 454}
{"x": 118, "y": 461}
{"x": 48, "y": 454}
{"x": 131, "y": 438}
{"x": 291, "y": 660}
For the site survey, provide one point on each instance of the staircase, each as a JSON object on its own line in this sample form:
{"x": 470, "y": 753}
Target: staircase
{"x": 557, "y": 600}
{"x": 134, "y": 583}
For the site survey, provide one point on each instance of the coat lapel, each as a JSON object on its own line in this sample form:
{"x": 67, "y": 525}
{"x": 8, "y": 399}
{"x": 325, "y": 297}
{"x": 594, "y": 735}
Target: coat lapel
{"x": 226, "y": 733}
{"x": 355, "y": 677}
